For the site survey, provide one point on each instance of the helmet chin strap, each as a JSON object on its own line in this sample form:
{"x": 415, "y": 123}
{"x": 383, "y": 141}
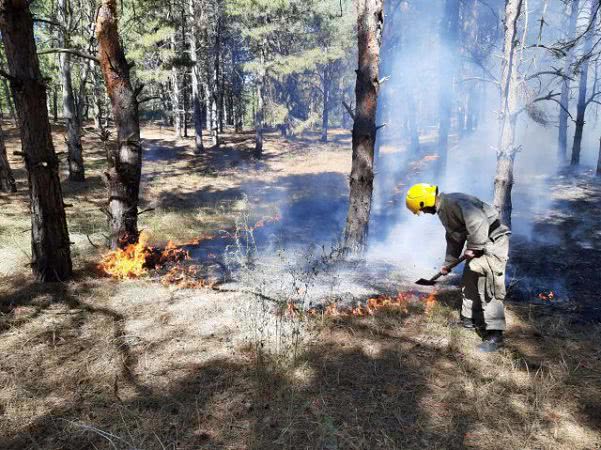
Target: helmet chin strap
{"x": 429, "y": 209}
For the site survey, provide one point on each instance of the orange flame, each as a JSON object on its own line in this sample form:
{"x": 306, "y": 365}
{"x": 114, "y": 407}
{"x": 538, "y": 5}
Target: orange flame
{"x": 128, "y": 262}
{"x": 134, "y": 260}
{"x": 399, "y": 304}
{"x": 547, "y": 296}
{"x": 430, "y": 303}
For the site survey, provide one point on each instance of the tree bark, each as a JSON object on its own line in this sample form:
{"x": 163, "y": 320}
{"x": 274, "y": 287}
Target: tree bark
{"x": 564, "y": 99}
{"x": 370, "y": 20}
{"x": 70, "y": 112}
{"x": 9, "y": 100}
{"x": 327, "y": 81}
{"x": 449, "y": 51}
{"x": 509, "y": 103}
{"x": 582, "y": 91}
{"x": 175, "y": 94}
{"x": 97, "y": 99}
{"x": 195, "y": 78}
{"x": 260, "y": 113}
{"x": 599, "y": 160}
{"x": 7, "y": 180}
{"x": 51, "y": 255}
{"x": 125, "y": 162}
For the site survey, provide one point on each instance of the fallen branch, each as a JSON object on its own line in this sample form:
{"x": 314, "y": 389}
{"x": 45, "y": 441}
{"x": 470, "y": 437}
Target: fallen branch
{"x": 90, "y": 241}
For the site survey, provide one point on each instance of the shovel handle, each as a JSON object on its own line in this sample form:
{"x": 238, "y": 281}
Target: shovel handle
{"x": 450, "y": 267}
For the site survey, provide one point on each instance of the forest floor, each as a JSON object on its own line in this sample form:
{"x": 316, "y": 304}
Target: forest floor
{"x": 103, "y": 363}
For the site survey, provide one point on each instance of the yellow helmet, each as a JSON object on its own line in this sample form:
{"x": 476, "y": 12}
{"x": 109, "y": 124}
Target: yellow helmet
{"x": 420, "y": 196}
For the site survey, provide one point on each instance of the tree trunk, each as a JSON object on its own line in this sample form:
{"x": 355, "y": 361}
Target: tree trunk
{"x": 237, "y": 87}
{"x": 97, "y": 98}
{"x": 564, "y": 99}
{"x": 175, "y": 94}
{"x": 509, "y": 103}
{"x": 259, "y": 119}
{"x": 327, "y": 81}
{"x": 7, "y": 180}
{"x": 218, "y": 84}
{"x": 195, "y": 78}
{"x": 70, "y": 112}
{"x": 9, "y": 100}
{"x": 260, "y": 113}
{"x": 599, "y": 161}
{"x": 125, "y": 162}
{"x": 582, "y": 91}
{"x": 370, "y": 21}
{"x": 55, "y": 105}
{"x": 449, "y": 51}
{"x": 51, "y": 255}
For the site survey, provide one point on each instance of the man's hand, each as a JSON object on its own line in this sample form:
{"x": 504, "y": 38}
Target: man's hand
{"x": 469, "y": 254}
{"x": 445, "y": 270}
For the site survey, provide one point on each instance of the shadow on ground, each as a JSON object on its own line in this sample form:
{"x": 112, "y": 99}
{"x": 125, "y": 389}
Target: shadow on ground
{"x": 368, "y": 384}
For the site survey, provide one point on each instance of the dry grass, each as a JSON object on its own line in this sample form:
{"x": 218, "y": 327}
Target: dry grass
{"x": 102, "y": 364}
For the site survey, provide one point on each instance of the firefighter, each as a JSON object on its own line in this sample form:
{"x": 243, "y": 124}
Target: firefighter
{"x": 470, "y": 222}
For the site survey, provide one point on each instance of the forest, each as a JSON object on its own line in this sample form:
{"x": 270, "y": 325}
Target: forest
{"x": 300, "y": 224}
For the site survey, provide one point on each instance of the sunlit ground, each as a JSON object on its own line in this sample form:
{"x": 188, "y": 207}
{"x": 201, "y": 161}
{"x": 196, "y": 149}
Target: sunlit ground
{"x": 105, "y": 363}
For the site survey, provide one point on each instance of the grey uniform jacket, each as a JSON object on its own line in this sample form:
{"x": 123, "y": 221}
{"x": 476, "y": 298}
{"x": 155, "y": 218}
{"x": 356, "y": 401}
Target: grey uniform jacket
{"x": 466, "y": 220}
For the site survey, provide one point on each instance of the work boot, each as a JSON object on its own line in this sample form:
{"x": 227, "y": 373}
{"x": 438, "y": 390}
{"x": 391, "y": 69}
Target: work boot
{"x": 492, "y": 343}
{"x": 464, "y": 322}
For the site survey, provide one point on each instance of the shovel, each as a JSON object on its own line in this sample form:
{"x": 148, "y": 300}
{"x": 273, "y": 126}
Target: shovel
{"x": 432, "y": 281}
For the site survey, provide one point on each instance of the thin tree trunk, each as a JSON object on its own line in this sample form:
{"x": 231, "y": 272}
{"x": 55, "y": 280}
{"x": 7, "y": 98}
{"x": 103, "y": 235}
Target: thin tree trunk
{"x": 218, "y": 84}
{"x": 237, "y": 86}
{"x": 55, "y": 105}
{"x": 259, "y": 113}
{"x": 599, "y": 160}
{"x": 509, "y": 102}
{"x": 564, "y": 99}
{"x": 97, "y": 98}
{"x": 412, "y": 124}
{"x": 185, "y": 90}
{"x": 51, "y": 254}
{"x": 9, "y": 100}
{"x": 582, "y": 92}
{"x": 175, "y": 94}
{"x": 125, "y": 163}
{"x": 7, "y": 180}
{"x": 327, "y": 81}
{"x": 449, "y": 50}
{"x": 195, "y": 78}
{"x": 70, "y": 112}
{"x": 370, "y": 20}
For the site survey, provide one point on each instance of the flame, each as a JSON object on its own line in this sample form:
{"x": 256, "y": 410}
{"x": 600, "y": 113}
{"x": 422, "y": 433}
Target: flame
{"x": 266, "y": 220}
{"x": 430, "y": 303}
{"x": 399, "y": 304}
{"x": 135, "y": 260}
{"x": 547, "y": 296}
{"x": 129, "y": 262}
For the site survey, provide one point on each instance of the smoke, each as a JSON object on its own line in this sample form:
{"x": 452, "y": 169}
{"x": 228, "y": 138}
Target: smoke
{"x": 415, "y": 60}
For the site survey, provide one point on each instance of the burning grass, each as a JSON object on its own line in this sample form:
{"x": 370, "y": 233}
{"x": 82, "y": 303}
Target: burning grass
{"x": 137, "y": 259}
{"x": 402, "y": 303}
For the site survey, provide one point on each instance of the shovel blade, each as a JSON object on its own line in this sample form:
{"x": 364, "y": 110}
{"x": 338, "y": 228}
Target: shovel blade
{"x": 424, "y": 282}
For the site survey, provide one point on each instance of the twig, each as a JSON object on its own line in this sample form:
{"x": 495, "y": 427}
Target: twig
{"x": 349, "y": 110}
{"x": 71, "y": 51}
{"x": 90, "y": 241}
{"x": 145, "y": 211}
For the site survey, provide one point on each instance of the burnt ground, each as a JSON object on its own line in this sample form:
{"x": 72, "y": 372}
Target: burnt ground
{"x": 562, "y": 251}
{"x": 101, "y": 363}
